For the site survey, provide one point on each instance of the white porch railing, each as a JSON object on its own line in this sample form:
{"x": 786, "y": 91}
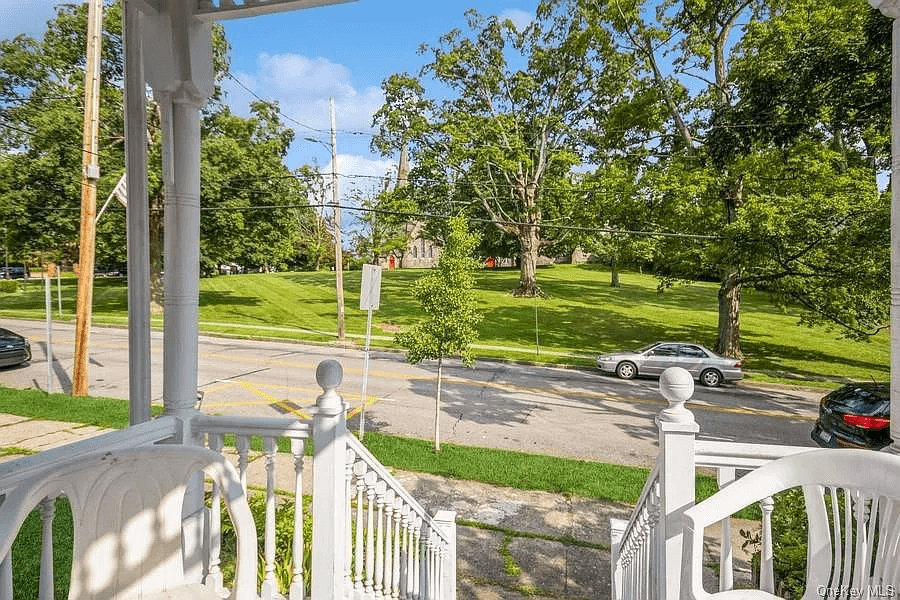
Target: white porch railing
{"x": 646, "y": 550}
{"x": 370, "y": 538}
{"x": 399, "y": 551}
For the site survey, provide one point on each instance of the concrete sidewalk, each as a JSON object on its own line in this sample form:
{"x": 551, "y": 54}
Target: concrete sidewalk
{"x": 512, "y": 544}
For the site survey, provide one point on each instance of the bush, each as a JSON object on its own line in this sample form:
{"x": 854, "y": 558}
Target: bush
{"x": 789, "y": 542}
{"x": 284, "y": 540}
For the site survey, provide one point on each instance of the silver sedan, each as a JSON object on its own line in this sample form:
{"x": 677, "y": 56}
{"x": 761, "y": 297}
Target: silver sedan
{"x": 705, "y": 365}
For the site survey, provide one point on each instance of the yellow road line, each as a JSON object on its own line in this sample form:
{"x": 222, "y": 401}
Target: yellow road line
{"x": 508, "y": 387}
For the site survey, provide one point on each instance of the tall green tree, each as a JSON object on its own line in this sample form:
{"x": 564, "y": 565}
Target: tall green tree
{"x": 694, "y": 36}
{"x": 508, "y": 125}
{"x": 41, "y": 116}
{"x": 250, "y": 197}
{"x": 813, "y": 91}
{"x": 447, "y": 298}
{"x": 717, "y": 129}
{"x": 41, "y": 108}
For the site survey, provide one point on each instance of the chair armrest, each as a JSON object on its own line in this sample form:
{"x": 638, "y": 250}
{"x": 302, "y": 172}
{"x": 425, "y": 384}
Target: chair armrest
{"x": 692, "y": 571}
{"x": 737, "y": 495}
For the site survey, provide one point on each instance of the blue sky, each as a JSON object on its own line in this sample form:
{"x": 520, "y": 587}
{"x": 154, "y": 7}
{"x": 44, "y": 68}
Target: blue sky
{"x": 343, "y": 51}
{"x": 302, "y": 58}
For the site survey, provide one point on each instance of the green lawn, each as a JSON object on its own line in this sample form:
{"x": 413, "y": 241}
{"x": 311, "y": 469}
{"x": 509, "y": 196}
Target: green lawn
{"x": 580, "y": 317}
{"x": 521, "y": 470}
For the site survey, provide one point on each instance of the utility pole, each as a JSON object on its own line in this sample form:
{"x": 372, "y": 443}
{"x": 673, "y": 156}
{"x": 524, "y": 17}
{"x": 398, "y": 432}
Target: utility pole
{"x": 90, "y": 174}
{"x": 338, "y": 251}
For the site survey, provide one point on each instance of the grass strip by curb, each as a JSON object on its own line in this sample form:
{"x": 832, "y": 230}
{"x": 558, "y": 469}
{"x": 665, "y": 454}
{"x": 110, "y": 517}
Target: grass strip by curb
{"x": 519, "y": 470}
{"x": 15, "y": 451}
{"x": 89, "y": 410}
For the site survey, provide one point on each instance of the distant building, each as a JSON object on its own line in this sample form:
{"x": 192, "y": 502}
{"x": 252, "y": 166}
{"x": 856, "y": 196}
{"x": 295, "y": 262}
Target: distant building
{"x": 420, "y": 251}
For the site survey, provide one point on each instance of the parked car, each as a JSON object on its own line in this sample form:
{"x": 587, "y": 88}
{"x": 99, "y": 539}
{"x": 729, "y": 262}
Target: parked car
{"x": 856, "y": 415}
{"x": 705, "y": 365}
{"x": 14, "y": 272}
{"x": 14, "y": 349}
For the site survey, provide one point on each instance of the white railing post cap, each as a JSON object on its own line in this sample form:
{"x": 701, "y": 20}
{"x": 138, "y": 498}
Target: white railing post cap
{"x": 329, "y": 375}
{"x": 677, "y": 386}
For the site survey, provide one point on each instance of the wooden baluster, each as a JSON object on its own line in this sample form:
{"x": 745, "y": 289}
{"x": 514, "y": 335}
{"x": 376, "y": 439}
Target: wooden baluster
{"x": 45, "y": 583}
{"x": 432, "y": 575}
{"x": 766, "y": 570}
{"x": 269, "y": 588}
{"x": 656, "y": 542}
{"x": 370, "y": 533}
{"x": 242, "y": 445}
{"x": 389, "y": 497}
{"x": 298, "y": 450}
{"x": 214, "y": 571}
{"x": 726, "y": 557}
{"x": 426, "y": 564}
{"x": 348, "y": 543}
{"x": 359, "y": 469}
{"x": 380, "y": 489}
{"x": 643, "y": 533}
{"x": 405, "y": 570}
{"x": 417, "y": 559}
{"x": 862, "y": 562}
{"x": 395, "y": 576}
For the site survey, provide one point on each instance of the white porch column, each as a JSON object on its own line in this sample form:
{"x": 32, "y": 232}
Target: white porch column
{"x": 182, "y": 256}
{"x": 178, "y": 63}
{"x": 891, "y": 9}
{"x": 677, "y": 432}
{"x": 139, "y": 372}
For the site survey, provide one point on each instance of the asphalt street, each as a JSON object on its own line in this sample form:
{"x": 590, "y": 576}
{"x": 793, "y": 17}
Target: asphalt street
{"x": 567, "y": 412}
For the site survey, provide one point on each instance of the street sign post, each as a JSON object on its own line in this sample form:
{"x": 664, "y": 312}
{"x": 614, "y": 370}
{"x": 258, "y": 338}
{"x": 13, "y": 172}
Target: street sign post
{"x": 48, "y": 305}
{"x": 369, "y": 299}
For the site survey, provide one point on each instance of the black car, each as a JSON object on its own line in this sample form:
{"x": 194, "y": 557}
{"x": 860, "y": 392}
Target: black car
{"x": 856, "y": 415}
{"x": 14, "y": 349}
{"x": 14, "y": 272}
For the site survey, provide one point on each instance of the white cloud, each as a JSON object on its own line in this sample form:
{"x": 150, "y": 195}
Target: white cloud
{"x": 520, "y": 18}
{"x": 28, "y": 17}
{"x": 302, "y": 87}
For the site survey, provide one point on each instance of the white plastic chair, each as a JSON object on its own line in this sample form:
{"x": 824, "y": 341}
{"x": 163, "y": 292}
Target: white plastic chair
{"x": 127, "y": 519}
{"x": 854, "y": 540}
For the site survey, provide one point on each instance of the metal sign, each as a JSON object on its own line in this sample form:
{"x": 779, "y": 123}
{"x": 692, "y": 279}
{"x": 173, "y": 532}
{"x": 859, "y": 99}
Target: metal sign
{"x": 370, "y": 294}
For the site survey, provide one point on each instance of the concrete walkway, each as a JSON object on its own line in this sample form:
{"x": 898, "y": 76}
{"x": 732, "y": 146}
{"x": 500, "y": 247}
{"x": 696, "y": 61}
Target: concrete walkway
{"x": 512, "y": 544}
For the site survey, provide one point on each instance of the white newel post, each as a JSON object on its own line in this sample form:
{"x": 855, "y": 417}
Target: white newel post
{"x": 616, "y": 531}
{"x": 329, "y": 510}
{"x": 446, "y": 521}
{"x": 677, "y": 431}
{"x": 891, "y": 9}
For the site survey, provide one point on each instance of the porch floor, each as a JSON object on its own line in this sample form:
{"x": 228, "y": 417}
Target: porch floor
{"x": 550, "y": 539}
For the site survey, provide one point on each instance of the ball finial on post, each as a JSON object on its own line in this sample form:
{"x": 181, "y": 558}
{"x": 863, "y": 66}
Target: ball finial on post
{"x": 329, "y": 375}
{"x": 677, "y": 386}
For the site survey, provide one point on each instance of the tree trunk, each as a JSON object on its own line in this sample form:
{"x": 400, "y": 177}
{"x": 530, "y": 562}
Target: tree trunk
{"x": 729, "y": 342}
{"x": 530, "y": 243}
{"x": 437, "y": 408}
{"x": 614, "y": 272}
